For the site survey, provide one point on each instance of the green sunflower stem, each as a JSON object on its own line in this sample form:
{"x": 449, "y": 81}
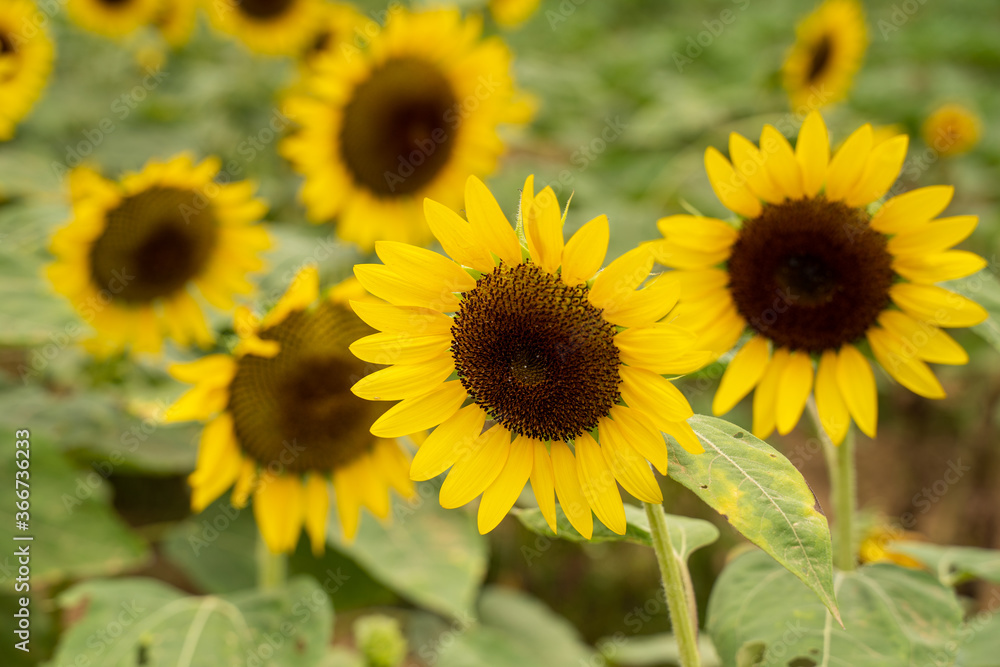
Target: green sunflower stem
{"x": 843, "y": 491}
{"x": 272, "y": 569}
{"x": 676, "y": 585}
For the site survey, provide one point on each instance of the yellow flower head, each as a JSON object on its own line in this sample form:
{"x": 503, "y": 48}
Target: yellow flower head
{"x": 828, "y": 49}
{"x": 282, "y": 422}
{"x": 113, "y": 18}
{"x": 134, "y": 249}
{"x": 271, "y": 27}
{"x": 876, "y": 546}
{"x": 26, "y": 55}
{"x": 512, "y": 13}
{"x": 410, "y": 116}
{"x": 813, "y": 276}
{"x": 951, "y": 130}
{"x": 530, "y": 344}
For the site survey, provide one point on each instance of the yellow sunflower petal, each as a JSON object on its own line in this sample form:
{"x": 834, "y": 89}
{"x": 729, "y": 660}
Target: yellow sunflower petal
{"x": 766, "y": 397}
{"x": 585, "y": 251}
{"x": 400, "y": 348}
{"x": 198, "y": 404}
{"x": 620, "y": 277}
{"x": 640, "y": 432}
{"x": 812, "y": 151}
{"x": 749, "y": 162}
{"x": 402, "y": 319}
{"x": 927, "y": 341}
{"x": 456, "y": 237}
{"x": 303, "y": 291}
{"x": 393, "y": 462}
{"x": 317, "y": 507}
{"x": 911, "y": 209}
{"x": 543, "y": 230}
{"x": 780, "y": 162}
{"x": 729, "y": 187}
{"x": 847, "y": 165}
{"x": 476, "y": 469}
{"x": 695, "y": 232}
{"x": 500, "y": 496}
{"x": 215, "y": 368}
{"x": 567, "y": 482}
{"x": 279, "y": 508}
{"x": 685, "y": 437}
{"x": 434, "y": 269}
{"x": 937, "y": 305}
{"x": 631, "y": 470}
{"x": 404, "y": 382}
{"x": 939, "y": 266}
{"x": 903, "y": 365}
{"x": 742, "y": 375}
{"x": 793, "y": 391}
{"x": 219, "y": 462}
{"x": 653, "y": 395}
{"x": 399, "y": 290}
{"x": 421, "y": 412}
{"x": 880, "y": 172}
{"x": 653, "y": 347}
{"x": 857, "y": 387}
{"x": 598, "y": 484}
{"x": 543, "y": 483}
{"x": 489, "y": 222}
{"x": 646, "y": 306}
{"x": 246, "y": 482}
{"x": 348, "y": 502}
{"x": 935, "y": 236}
{"x": 446, "y": 444}
{"x": 833, "y": 413}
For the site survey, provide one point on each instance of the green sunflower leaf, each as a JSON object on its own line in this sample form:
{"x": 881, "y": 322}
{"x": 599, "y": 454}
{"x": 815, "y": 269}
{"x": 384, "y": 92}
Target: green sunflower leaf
{"x": 687, "y": 534}
{"x": 978, "y": 643}
{"x": 953, "y": 565}
{"x": 126, "y": 622}
{"x": 892, "y": 616}
{"x": 763, "y": 496}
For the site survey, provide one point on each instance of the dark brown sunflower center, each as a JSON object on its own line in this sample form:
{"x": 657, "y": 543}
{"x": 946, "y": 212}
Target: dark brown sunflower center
{"x": 6, "y": 45}
{"x": 296, "y": 410}
{"x": 820, "y": 58}
{"x": 810, "y": 274}
{"x": 263, "y": 9}
{"x": 153, "y": 243}
{"x": 535, "y": 354}
{"x": 399, "y": 127}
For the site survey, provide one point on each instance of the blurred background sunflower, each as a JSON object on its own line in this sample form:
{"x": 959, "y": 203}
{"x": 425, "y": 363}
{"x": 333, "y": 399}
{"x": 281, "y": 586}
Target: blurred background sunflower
{"x": 25, "y": 62}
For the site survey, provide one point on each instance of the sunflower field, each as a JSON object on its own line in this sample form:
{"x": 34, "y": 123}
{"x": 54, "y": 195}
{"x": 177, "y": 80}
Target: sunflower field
{"x": 500, "y": 333}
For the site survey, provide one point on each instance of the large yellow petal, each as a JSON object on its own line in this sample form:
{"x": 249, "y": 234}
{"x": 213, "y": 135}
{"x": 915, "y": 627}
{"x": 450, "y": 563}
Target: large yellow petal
{"x": 925, "y": 340}
{"x": 489, "y": 222}
{"x": 219, "y": 462}
{"x": 939, "y": 266}
{"x": 402, "y": 319}
{"x": 857, "y": 387}
{"x": 394, "y": 464}
{"x": 903, "y": 364}
{"x": 646, "y": 306}
{"x": 749, "y": 162}
{"x": 729, "y": 187}
{"x": 567, "y": 481}
{"x": 421, "y": 412}
{"x": 447, "y": 443}
{"x": 631, "y": 470}
{"x": 742, "y": 375}
{"x": 317, "y": 507}
{"x": 653, "y": 347}
{"x": 621, "y": 277}
{"x": 766, "y": 397}
{"x": 543, "y": 230}
{"x": 694, "y": 232}
{"x": 500, "y": 496}
{"x": 833, "y": 413}
{"x": 215, "y": 368}
{"x": 911, "y": 209}
{"x": 401, "y": 348}
{"x": 640, "y": 432}
{"x": 937, "y": 305}
{"x": 847, "y": 165}
{"x": 812, "y": 151}
{"x": 793, "y": 390}
{"x": 598, "y": 484}
{"x": 780, "y": 162}
{"x": 399, "y": 290}
{"x": 433, "y": 269}
{"x": 685, "y": 437}
{"x": 457, "y": 237}
{"x": 348, "y": 501}
{"x": 935, "y": 236}
{"x": 279, "y": 508}
{"x": 880, "y": 172}
{"x": 404, "y": 381}
{"x": 585, "y": 251}
{"x": 653, "y": 395}
{"x": 543, "y": 483}
{"x": 246, "y": 482}
{"x": 477, "y": 468}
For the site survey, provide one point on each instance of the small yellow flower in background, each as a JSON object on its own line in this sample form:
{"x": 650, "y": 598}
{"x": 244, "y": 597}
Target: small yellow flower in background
{"x": 132, "y": 253}
{"x": 113, "y": 18}
{"x": 339, "y": 27}
{"x": 25, "y": 62}
{"x": 811, "y": 274}
{"x": 876, "y": 547}
{"x": 951, "y": 130}
{"x": 270, "y": 27}
{"x": 829, "y": 46}
{"x": 176, "y": 20}
{"x": 530, "y": 344}
{"x": 282, "y": 421}
{"x": 512, "y": 13}
{"x": 410, "y": 116}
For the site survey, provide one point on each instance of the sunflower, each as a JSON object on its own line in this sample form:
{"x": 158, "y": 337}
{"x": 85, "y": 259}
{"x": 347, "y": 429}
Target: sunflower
{"x": 339, "y": 27}
{"x": 175, "y": 21}
{"x": 828, "y": 49}
{"x": 282, "y": 421}
{"x": 813, "y": 275}
{"x": 113, "y": 18}
{"x": 25, "y": 61}
{"x": 951, "y": 130}
{"x": 133, "y": 250}
{"x": 512, "y": 13}
{"x": 528, "y": 343}
{"x": 876, "y": 546}
{"x": 409, "y": 117}
{"x": 271, "y": 27}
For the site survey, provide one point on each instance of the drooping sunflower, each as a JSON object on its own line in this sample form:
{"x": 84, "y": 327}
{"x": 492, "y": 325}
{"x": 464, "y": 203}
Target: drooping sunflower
{"x": 176, "y": 20}
{"x": 411, "y": 116}
{"x": 829, "y": 46}
{"x": 816, "y": 276}
{"x": 282, "y": 422}
{"x": 530, "y": 344}
{"x": 340, "y": 27}
{"x": 26, "y": 55}
{"x": 512, "y": 13}
{"x": 113, "y": 18}
{"x": 132, "y": 253}
{"x": 271, "y": 27}
{"x": 951, "y": 130}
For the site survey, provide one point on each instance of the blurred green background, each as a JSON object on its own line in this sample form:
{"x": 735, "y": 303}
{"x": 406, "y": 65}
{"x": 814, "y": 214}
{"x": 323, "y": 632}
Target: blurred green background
{"x": 105, "y": 503}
